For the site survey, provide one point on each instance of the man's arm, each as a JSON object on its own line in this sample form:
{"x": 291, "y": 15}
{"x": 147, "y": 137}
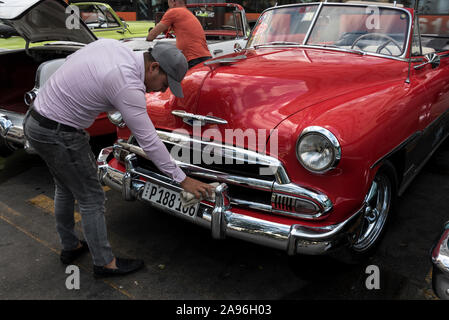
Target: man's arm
{"x": 157, "y": 30}
{"x": 131, "y": 103}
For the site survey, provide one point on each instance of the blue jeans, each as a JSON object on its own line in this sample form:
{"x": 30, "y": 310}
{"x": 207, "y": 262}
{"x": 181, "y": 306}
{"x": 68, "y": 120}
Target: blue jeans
{"x": 74, "y": 169}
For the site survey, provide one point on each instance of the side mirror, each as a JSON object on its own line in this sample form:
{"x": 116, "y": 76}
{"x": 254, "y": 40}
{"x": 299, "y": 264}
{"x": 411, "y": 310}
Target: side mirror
{"x": 431, "y": 58}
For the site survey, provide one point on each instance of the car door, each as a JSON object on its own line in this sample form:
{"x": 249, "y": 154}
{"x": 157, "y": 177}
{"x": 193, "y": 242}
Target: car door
{"x": 434, "y": 71}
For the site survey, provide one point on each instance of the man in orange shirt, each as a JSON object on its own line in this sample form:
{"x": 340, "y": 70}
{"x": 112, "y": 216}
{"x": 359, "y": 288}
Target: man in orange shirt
{"x": 190, "y": 37}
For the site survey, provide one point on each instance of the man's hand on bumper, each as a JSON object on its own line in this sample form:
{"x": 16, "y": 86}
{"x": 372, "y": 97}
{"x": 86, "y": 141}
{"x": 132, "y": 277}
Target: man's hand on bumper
{"x": 199, "y": 189}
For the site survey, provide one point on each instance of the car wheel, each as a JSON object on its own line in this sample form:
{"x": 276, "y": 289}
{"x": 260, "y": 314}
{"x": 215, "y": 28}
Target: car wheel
{"x": 379, "y": 203}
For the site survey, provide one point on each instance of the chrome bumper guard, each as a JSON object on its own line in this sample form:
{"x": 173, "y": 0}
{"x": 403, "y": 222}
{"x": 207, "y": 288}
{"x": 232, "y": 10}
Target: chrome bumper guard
{"x": 223, "y": 221}
{"x": 440, "y": 252}
{"x": 11, "y": 130}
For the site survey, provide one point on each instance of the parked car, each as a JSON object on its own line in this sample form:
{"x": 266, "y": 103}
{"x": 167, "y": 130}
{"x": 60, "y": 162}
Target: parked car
{"x": 23, "y": 69}
{"x": 106, "y": 23}
{"x": 440, "y": 261}
{"x": 312, "y": 130}
{"x": 41, "y": 25}
{"x": 99, "y": 17}
{"x": 225, "y": 26}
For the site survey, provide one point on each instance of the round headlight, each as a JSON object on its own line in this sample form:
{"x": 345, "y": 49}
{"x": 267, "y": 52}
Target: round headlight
{"x": 318, "y": 150}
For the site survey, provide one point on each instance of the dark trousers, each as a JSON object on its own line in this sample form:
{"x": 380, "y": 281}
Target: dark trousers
{"x": 74, "y": 169}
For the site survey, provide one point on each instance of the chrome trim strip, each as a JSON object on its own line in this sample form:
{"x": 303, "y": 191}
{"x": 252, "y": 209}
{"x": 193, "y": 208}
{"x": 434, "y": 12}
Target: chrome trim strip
{"x": 192, "y": 119}
{"x": 222, "y": 221}
{"x": 29, "y": 96}
{"x": 315, "y": 18}
{"x": 227, "y": 60}
{"x": 397, "y": 148}
{"x": 295, "y": 190}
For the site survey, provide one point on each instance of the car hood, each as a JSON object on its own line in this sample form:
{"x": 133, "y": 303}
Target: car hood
{"x": 270, "y": 85}
{"x": 44, "y": 20}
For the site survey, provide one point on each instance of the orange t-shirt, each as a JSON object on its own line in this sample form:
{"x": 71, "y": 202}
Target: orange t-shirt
{"x": 190, "y": 37}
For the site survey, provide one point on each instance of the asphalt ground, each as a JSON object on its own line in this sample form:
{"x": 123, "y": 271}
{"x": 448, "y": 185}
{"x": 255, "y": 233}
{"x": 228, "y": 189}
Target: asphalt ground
{"x": 183, "y": 262}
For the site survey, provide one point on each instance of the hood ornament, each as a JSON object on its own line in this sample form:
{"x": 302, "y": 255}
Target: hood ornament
{"x": 197, "y": 119}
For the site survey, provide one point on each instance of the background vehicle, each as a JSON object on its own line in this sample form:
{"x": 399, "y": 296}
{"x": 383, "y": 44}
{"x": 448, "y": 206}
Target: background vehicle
{"x": 99, "y": 17}
{"x": 23, "y": 69}
{"x": 51, "y": 41}
{"x": 225, "y": 26}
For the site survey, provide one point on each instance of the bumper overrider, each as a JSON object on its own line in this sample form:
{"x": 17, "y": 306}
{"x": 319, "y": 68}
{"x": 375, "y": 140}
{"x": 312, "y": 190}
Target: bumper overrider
{"x": 223, "y": 217}
{"x": 11, "y": 130}
{"x": 440, "y": 261}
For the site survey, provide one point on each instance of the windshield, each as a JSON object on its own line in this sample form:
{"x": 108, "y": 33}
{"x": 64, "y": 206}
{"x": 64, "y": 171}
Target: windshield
{"x": 97, "y": 16}
{"x": 219, "y": 22}
{"x": 219, "y": 18}
{"x": 363, "y": 28}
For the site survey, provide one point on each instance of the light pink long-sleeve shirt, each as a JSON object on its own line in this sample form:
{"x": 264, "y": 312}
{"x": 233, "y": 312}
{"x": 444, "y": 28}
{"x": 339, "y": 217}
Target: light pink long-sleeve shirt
{"x": 105, "y": 76}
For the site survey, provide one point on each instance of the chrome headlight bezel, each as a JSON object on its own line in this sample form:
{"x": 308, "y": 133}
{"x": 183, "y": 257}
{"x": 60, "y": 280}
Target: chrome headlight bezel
{"x": 332, "y": 141}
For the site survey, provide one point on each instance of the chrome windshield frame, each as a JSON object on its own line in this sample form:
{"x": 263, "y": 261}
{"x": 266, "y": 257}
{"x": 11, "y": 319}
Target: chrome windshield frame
{"x": 403, "y": 57}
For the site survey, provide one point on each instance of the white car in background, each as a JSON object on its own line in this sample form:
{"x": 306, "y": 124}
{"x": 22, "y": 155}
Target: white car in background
{"x": 225, "y": 25}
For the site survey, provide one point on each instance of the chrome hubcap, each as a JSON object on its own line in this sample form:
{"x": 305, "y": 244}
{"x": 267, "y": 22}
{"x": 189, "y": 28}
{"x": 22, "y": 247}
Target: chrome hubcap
{"x": 377, "y": 207}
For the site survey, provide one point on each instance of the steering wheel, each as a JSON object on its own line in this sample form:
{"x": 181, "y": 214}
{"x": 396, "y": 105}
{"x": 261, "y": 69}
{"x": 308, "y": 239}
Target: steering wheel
{"x": 383, "y": 45}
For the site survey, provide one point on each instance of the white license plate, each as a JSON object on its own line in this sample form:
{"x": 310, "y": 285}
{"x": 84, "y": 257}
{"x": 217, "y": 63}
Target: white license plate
{"x": 167, "y": 198}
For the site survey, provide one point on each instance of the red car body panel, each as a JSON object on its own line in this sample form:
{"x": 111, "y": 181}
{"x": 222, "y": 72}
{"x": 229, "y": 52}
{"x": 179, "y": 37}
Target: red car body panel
{"x": 101, "y": 126}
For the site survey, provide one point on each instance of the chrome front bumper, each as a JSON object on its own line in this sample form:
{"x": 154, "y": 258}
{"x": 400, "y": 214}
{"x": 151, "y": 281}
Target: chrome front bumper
{"x": 223, "y": 221}
{"x": 11, "y": 127}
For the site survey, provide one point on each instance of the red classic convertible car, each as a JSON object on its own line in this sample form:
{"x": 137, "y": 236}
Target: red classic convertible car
{"x": 312, "y": 130}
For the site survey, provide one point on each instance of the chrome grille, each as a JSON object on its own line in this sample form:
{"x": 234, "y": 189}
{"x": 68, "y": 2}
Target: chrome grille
{"x": 271, "y": 194}
{"x": 281, "y": 202}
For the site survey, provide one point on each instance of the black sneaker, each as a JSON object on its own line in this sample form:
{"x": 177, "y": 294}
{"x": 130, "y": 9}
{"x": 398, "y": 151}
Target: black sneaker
{"x": 124, "y": 266}
{"x": 68, "y": 256}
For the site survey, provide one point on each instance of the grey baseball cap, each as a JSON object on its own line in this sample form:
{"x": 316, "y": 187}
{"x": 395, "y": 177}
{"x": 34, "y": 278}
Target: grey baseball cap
{"x": 173, "y": 62}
